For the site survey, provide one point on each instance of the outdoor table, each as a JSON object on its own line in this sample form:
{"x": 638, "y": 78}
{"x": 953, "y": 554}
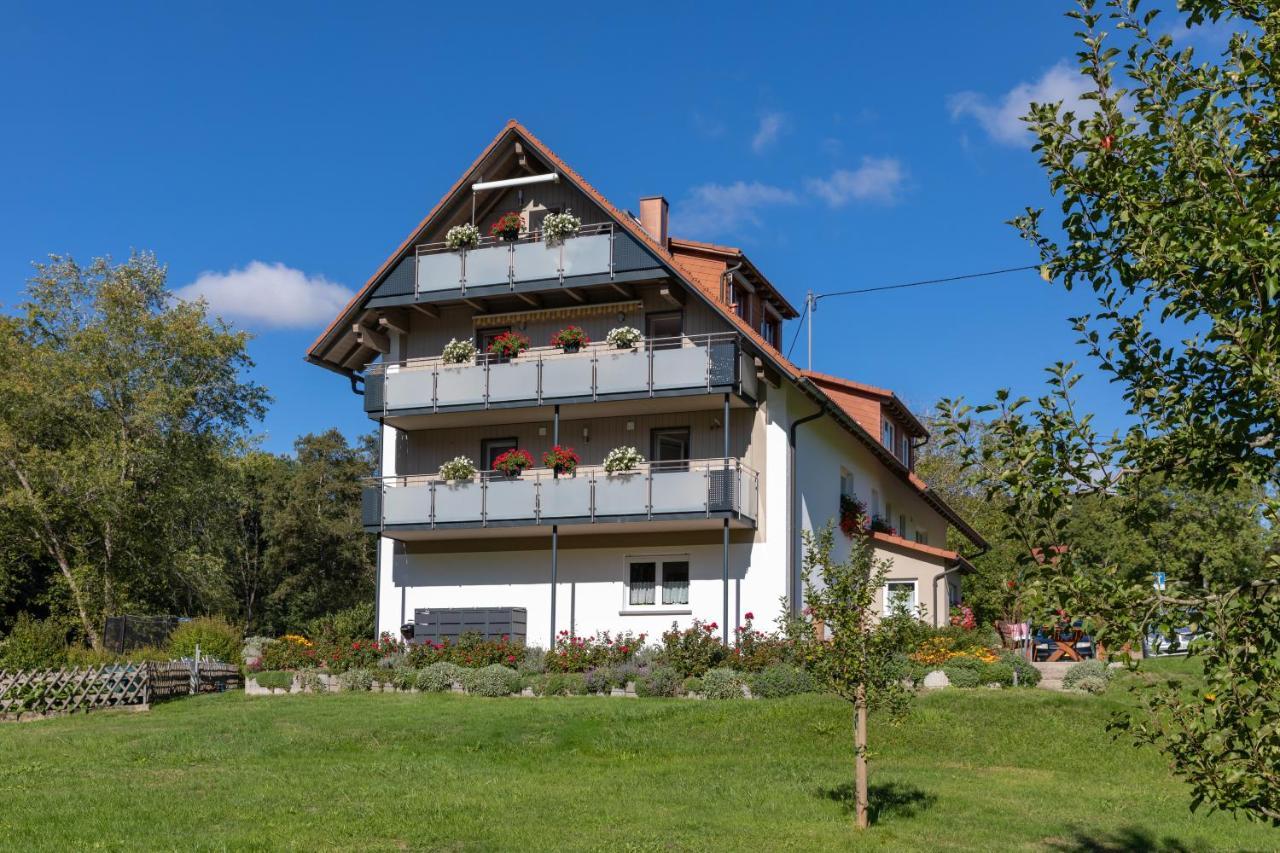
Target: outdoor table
{"x": 1066, "y": 641}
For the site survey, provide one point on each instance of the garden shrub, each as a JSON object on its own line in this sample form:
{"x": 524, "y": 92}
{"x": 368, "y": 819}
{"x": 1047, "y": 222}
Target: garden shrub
{"x": 660, "y": 681}
{"x": 579, "y": 654}
{"x": 439, "y": 677}
{"x": 217, "y": 639}
{"x": 292, "y": 651}
{"x": 404, "y": 678}
{"x": 309, "y": 681}
{"x": 694, "y": 650}
{"x": 754, "y": 650}
{"x": 356, "y": 679}
{"x": 81, "y": 656}
{"x": 274, "y": 680}
{"x": 492, "y": 680}
{"x": 471, "y": 650}
{"x": 1095, "y": 669}
{"x": 631, "y": 671}
{"x": 602, "y": 679}
{"x": 343, "y": 626}
{"x": 535, "y": 681}
{"x": 565, "y": 684}
{"x": 692, "y": 684}
{"x": 1028, "y": 675}
{"x": 962, "y": 676}
{"x": 780, "y": 679}
{"x": 1092, "y": 684}
{"x": 999, "y": 672}
{"x": 34, "y": 644}
{"x": 534, "y": 661}
{"x": 722, "y": 683}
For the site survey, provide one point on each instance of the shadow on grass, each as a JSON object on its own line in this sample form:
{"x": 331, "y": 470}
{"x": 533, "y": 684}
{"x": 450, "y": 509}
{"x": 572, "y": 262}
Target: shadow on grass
{"x": 888, "y": 800}
{"x": 1129, "y": 839}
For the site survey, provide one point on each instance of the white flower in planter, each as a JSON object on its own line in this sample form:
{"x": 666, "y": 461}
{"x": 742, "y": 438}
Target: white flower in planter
{"x": 458, "y": 468}
{"x": 622, "y": 459}
{"x": 556, "y": 227}
{"x": 465, "y": 236}
{"x": 458, "y": 352}
{"x": 624, "y": 337}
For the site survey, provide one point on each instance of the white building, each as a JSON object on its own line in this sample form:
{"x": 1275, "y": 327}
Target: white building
{"x": 744, "y": 449}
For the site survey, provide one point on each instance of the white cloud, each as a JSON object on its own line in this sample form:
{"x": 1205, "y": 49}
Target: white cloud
{"x": 268, "y": 295}
{"x": 770, "y": 128}
{"x": 725, "y": 208}
{"x": 877, "y": 179}
{"x": 1002, "y": 120}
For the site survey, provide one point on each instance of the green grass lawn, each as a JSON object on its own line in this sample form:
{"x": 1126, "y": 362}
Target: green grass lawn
{"x": 971, "y": 769}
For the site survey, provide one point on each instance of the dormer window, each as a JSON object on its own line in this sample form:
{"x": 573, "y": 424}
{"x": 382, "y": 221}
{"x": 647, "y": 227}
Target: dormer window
{"x": 896, "y": 440}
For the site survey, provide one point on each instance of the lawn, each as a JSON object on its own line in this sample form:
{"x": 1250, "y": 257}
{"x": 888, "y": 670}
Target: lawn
{"x": 970, "y": 769}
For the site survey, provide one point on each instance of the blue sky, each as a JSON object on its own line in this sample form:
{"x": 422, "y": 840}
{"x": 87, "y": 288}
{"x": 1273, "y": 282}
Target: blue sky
{"x": 842, "y": 146}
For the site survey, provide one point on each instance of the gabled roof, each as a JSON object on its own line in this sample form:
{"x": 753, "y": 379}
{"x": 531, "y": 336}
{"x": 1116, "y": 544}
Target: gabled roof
{"x": 887, "y": 398}
{"x": 699, "y": 285}
{"x": 734, "y": 255}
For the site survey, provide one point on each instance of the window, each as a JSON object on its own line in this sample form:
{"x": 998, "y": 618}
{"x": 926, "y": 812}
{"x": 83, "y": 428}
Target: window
{"x": 770, "y": 331}
{"x": 492, "y": 448}
{"x": 900, "y": 597}
{"x": 902, "y": 525}
{"x": 922, "y": 536}
{"x": 675, "y": 582}
{"x": 846, "y": 483}
{"x": 651, "y": 580}
{"x": 641, "y": 584}
{"x": 742, "y": 303}
{"x": 670, "y": 445}
{"x": 904, "y": 452}
{"x": 888, "y": 434}
{"x": 875, "y": 501}
{"x": 888, "y": 513}
{"x": 668, "y": 327}
{"x": 484, "y": 337}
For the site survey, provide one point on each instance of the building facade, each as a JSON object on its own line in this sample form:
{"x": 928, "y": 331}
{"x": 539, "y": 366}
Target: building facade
{"x": 741, "y": 449}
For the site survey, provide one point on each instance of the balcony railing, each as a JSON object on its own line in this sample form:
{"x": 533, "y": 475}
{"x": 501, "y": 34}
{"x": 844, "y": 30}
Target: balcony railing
{"x": 500, "y": 263}
{"x": 655, "y": 367}
{"x": 702, "y": 488}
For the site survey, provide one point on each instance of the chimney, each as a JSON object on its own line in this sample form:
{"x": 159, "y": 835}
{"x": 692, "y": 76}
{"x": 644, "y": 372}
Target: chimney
{"x": 653, "y": 218}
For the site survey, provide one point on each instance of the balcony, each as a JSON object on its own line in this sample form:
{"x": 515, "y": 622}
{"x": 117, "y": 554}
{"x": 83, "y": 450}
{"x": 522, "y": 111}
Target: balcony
{"x": 660, "y": 367}
{"x": 412, "y": 507}
{"x": 495, "y": 266}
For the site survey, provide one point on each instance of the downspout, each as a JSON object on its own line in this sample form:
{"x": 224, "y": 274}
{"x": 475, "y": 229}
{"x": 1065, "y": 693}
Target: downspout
{"x": 793, "y": 514}
{"x": 944, "y": 574}
{"x": 724, "y": 278}
{"x": 354, "y": 379}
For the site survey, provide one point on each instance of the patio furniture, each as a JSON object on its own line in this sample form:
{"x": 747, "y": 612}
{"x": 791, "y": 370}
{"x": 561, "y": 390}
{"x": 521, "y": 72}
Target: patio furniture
{"x": 1065, "y": 641}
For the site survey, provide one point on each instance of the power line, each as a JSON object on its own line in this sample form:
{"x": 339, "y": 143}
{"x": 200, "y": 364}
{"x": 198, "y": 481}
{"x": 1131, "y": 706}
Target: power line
{"x": 811, "y": 300}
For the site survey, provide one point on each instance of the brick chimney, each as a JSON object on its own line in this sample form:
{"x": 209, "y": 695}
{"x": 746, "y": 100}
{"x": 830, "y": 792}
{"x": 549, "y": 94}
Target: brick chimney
{"x": 653, "y": 218}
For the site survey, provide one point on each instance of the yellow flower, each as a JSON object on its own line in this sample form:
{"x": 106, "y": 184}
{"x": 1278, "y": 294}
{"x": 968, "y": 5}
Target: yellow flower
{"x": 1209, "y": 697}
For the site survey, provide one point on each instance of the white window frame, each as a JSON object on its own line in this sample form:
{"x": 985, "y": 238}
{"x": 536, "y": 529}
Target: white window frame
{"x": 847, "y": 483}
{"x": 657, "y": 608}
{"x": 915, "y": 594}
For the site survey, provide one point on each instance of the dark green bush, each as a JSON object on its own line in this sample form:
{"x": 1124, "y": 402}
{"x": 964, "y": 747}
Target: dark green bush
{"x": 403, "y": 677}
{"x": 962, "y": 675}
{"x": 661, "y": 681}
{"x": 343, "y": 626}
{"x": 1028, "y": 675}
{"x": 780, "y": 679}
{"x": 80, "y": 656}
{"x": 997, "y": 673}
{"x": 692, "y": 684}
{"x": 34, "y": 644}
{"x": 492, "y": 680}
{"x": 722, "y": 683}
{"x": 694, "y": 650}
{"x": 274, "y": 680}
{"x": 566, "y": 684}
{"x": 216, "y": 638}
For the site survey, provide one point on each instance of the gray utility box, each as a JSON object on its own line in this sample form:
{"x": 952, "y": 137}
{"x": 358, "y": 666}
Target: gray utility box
{"x": 437, "y": 624}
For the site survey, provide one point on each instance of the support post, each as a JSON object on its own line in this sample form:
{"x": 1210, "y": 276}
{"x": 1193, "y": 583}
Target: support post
{"x": 724, "y": 632}
{"x": 555, "y": 567}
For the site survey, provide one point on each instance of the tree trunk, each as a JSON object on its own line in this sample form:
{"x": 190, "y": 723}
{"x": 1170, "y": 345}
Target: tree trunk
{"x": 860, "y": 757}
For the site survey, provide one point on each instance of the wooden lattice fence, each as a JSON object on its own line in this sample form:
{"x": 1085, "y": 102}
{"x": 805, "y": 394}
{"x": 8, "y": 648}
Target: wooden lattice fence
{"x": 50, "y": 692}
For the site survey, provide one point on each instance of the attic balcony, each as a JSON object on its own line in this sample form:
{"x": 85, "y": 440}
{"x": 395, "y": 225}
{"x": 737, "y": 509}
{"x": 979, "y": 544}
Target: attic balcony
{"x": 692, "y": 371}
{"x": 662, "y": 495}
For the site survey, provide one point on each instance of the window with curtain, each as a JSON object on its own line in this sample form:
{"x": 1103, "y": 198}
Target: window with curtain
{"x": 642, "y": 583}
{"x": 675, "y": 582}
{"x": 900, "y": 596}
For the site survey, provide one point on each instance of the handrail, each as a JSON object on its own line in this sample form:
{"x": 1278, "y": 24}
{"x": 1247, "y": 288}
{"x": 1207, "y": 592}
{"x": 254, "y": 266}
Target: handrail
{"x": 525, "y": 237}
{"x": 544, "y": 353}
{"x": 738, "y": 494}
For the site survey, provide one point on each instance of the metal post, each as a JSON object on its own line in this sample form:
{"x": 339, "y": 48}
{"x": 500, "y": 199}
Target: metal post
{"x": 726, "y": 430}
{"x": 555, "y": 435}
{"x": 724, "y": 632}
{"x": 810, "y": 303}
{"x": 555, "y": 557}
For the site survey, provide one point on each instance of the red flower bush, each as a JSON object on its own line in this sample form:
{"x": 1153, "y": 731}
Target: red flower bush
{"x": 507, "y": 222}
{"x": 513, "y": 462}
{"x": 579, "y": 654}
{"x": 563, "y": 459}
{"x": 508, "y": 345}
{"x": 853, "y": 516}
{"x": 570, "y": 336}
